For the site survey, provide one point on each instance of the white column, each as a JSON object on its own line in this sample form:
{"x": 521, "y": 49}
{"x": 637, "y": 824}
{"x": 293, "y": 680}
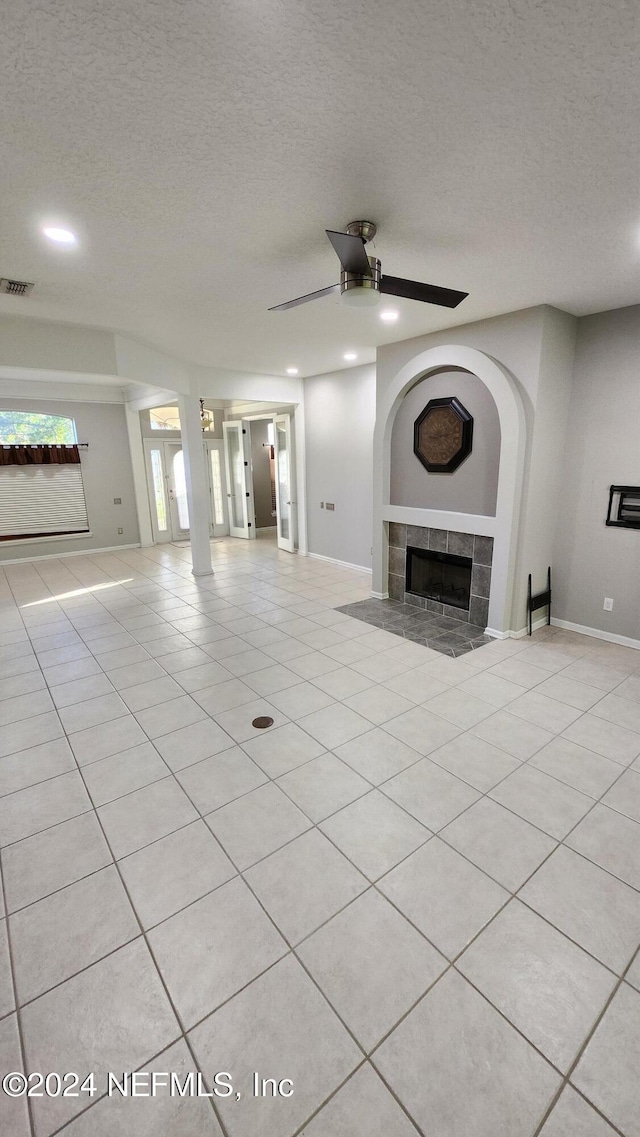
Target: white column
{"x": 197, "y": 484}
{"x": 141, "y": 493}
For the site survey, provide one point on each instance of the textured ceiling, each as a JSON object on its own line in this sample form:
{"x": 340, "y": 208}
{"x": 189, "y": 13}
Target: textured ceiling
{"x": 200, "y": 149}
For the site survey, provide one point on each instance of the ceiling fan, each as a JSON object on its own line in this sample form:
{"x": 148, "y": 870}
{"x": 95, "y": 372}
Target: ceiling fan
{"x": 361, "y": 280}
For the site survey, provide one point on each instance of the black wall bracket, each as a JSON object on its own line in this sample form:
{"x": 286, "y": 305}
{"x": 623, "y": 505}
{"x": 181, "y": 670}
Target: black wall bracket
{"x": 540, "y": 600}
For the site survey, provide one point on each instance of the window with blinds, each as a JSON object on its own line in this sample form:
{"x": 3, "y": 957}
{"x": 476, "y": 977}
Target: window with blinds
{"x": 42, "y": 501}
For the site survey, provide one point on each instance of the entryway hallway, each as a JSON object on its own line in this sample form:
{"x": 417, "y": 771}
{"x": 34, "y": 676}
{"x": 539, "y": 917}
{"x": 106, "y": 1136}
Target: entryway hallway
{"x": 416, "y": 895}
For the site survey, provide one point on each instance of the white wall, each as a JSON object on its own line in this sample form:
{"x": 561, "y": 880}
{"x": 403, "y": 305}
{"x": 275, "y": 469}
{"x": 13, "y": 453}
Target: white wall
{"x": 473, "y": 487}
{"x": 106, "y": 474}
{"x": 144, "y": 364}
{"x": 339, "y": 420}
{"x": 543, "y": 489}
{"x": 56, "y": 347}
{"x": 218, "y": 383}
{"x": 513, "y": 340}
{"x": 602, "y": 448}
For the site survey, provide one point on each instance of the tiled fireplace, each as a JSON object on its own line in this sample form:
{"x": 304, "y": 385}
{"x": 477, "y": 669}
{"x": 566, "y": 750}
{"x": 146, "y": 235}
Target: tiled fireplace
{"x": 459, "y": 552}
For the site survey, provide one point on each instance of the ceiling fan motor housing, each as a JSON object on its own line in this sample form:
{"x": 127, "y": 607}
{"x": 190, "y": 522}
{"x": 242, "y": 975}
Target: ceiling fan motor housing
{"x": 361, "y": 291}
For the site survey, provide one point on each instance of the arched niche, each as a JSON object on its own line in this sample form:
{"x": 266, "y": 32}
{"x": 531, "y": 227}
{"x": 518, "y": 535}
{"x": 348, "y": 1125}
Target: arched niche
{"x": 473, "y": 487}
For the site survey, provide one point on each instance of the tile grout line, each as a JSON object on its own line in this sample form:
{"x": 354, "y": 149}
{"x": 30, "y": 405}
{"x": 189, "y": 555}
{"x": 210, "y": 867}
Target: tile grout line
{"x": 14, "y": 985}
{"x": 157, "y": 969}
{"x": 576, "y": 1061}
{"x": 516, "y": 815}
{"x": 152, "y": 957}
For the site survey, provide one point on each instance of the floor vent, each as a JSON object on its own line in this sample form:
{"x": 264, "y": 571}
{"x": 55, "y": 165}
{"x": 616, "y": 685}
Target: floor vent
{"x": 16, "y": 287}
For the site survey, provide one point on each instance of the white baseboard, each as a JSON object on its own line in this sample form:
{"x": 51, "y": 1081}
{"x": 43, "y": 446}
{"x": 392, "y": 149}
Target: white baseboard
{"x": 340, "y": 564}
{"x": 380, "y": 595}
{"x": 75, "y": 553}
{"x": 597, "y": 633}
{"x": 515, "y": 635}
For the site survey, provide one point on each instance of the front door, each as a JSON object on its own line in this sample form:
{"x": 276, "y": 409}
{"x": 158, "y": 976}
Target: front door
{"x": 177, "y": 489}
{"x": 167, "y": 490}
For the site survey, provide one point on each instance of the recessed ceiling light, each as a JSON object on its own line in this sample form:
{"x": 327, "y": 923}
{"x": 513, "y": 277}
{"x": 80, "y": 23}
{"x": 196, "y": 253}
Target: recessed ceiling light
{"x": 389, "y": 315}
{"x": 292, "y": 370}
{"x": 350, "y": 356}
{"x": 60, "y": 236}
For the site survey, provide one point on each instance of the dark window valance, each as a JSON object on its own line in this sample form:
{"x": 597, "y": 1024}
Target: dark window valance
{"x": 19, "y": 455}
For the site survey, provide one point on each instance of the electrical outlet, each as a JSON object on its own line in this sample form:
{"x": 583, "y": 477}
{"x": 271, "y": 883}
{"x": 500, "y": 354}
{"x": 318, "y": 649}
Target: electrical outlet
{"x": 120, "y": 531}
{"x": 329, "y": 505}
{"x": 608, "y": 604}
{"x": 117, "y": 501}
{"x": 321, "y": 505}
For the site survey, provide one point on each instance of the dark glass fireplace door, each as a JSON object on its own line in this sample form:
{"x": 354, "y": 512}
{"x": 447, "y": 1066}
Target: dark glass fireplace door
{"x": 439, "y": 576}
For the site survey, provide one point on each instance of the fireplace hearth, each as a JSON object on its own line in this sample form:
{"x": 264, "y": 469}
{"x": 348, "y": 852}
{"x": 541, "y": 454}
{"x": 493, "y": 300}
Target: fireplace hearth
{"x": 439, "y": 576}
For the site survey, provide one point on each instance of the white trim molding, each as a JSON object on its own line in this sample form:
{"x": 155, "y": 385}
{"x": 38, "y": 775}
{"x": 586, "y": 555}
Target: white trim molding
{"x": 510, "y": 634}
{"x": 504, "y": 527}
{"x": 441, "y": 519}
{"x": 82, "y": 536}
{"x": 597, "y": 633}
{"x": 340, "y": 564}
{"x": 73, "y": 553}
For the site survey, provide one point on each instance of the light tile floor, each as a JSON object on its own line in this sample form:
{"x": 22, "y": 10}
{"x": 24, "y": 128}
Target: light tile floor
{"x": 417, "y": 895}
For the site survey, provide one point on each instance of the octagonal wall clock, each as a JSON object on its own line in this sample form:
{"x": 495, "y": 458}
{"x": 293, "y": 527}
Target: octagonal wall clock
{"x": 442, "y": 435}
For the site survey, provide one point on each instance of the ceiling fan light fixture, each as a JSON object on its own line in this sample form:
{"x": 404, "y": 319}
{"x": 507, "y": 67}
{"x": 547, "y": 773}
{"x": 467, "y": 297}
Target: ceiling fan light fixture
{"x": 361, "y": 291}
{"x": 360, "y": 297}
{"x": 361, "y": 279}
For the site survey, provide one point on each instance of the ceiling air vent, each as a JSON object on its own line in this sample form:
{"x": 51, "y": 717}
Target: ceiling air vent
{"x": 16, "y": 287}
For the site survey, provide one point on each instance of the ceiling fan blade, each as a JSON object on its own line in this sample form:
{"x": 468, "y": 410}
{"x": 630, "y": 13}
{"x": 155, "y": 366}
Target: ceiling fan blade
{"x": 305, "y": 299}
{"x": 351, "y": 253}
{"x": 428, "y": 293}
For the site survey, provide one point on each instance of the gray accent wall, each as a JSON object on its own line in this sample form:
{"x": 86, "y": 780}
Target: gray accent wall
{"x": 340, "y": 410}
{"x": 601, "y": 448}
{"x": 106, "y": 474}
{"x": 473, "y": 487}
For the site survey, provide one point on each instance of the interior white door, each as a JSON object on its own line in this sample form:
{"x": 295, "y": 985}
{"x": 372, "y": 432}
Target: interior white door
{"x": 177, "y": 487}
{"x": 158, "y": 492}
{"x": 285, "y": 505}
{"x": 214, "y": 450}
{"x": 237, "y": 459}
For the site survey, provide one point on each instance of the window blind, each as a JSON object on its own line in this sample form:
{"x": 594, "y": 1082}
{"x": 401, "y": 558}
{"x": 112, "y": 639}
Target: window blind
{"x": 39, "y": 501}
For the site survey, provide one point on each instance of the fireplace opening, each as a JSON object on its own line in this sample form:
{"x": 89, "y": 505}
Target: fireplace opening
{"x": 439, "y": 576}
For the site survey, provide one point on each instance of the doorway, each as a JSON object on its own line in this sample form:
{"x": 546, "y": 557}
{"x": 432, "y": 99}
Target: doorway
{"x": 168, "y": 491}
{"x": 230, "y": 472}
{"x": 239, "y": 465}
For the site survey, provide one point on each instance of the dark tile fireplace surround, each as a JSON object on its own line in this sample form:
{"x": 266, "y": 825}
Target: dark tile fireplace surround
{"x": 451, "y": 628}
{"x": 478, "y": 549}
